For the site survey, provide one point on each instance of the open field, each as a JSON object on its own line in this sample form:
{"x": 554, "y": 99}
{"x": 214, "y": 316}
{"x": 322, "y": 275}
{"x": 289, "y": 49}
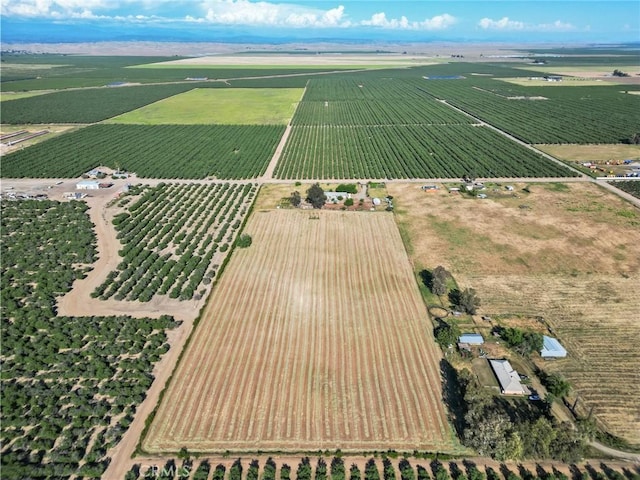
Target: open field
{"x": 53, "y": 129}
{"x": 566, "y": 81}
{"x": 6, "y": 96}
{"x": 246, "y": 106}
{"x": 567, "y": 252}
{"x": 590, "y": 71}
{"x": 307, "y": 344}
{"x": 85, "y": 105}
{"x": 592, "y": 153}
{"x": 312, "y": 60}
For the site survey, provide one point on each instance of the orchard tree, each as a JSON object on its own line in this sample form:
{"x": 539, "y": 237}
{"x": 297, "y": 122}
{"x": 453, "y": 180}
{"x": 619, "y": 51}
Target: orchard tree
{"x": 316, "y": 196}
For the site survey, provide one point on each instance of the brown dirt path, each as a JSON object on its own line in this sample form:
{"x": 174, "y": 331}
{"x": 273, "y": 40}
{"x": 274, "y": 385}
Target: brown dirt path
{"x": 121, "y": 454}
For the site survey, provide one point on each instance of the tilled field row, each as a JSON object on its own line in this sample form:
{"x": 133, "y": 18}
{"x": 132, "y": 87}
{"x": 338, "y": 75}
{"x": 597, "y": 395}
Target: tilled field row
{"x": 315, "y": 338}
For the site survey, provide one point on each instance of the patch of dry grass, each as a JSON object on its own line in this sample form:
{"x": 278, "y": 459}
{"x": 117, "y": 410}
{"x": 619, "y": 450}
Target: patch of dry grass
{"x": 592, "y": 153}
{"x": 569, "y": 253}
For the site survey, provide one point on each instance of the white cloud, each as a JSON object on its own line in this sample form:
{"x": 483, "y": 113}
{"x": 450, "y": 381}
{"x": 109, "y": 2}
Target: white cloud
{"x": 439, "y": 22}
{"x": 263, "y": 13}
{"x": 245, "y": 12}
{"x": 505, "y": 23}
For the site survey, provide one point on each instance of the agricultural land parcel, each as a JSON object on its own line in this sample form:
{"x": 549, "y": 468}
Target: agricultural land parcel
{"x": 311, "y": 340}
{"x": 592, "y": 153}
{"x": 228, "y": 106}
{"x": 153, "y": 151}
{"x": 567, "y": 252}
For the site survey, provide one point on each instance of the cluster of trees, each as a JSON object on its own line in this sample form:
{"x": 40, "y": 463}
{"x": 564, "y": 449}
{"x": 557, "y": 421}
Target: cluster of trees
{"x": 151, "y": 151}
{"x": 619, "y": 73}
{"x": 555, "y": 384}
{"x": 316, "y": 196}
{"x": 196, "y": 225}
{"x": 516, "y": 430}
{"x": 70, "y": 385}
{"x": 524, "y": 342}
{"x": 439, "y": 281}
{"x": 409, "y": 151}
{"x": 433, "y": 470}
{"x": 630, "y": 186}
{"x": 564, "y": 118}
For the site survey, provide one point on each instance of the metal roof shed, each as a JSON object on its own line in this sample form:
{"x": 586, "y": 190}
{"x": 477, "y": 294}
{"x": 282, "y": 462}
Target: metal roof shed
{"x": 471, "y": 338}
{"x": 551, "y": 348}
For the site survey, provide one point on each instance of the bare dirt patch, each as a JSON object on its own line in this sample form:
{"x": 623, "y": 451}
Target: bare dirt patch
{"x": 315, "y": 338}
{"x": 572, "y": 257}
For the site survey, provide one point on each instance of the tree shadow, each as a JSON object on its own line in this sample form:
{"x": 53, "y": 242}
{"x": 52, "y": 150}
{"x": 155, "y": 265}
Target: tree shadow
{"x": 427, "y": 278}
{"x": 454, "y": 468}
{"x": 611, "y": 473}
{"x": 453, "y": 396}
{"x": 593, "y": 473}
{"x": 525, "y": 474}
{"x": 631, "y": 475}
{"x": 576, "y": 473}
{"x": 506, "y": 473}
{"x": 491, "y": 474}
{"x": 455, "y": 297}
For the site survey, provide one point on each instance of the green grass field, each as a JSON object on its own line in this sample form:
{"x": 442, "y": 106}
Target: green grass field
{"x": 227, "y": 106}
{"x": 6, "y": 96}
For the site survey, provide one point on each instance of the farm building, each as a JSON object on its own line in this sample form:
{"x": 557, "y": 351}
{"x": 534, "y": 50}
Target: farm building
{"x": 94, "y": 173}
{"x": 88, "y": 185}
{"x": 507, "y": 377}
{"x": 471, "y": 338}
{"x": 551, "y": 348}
{"x": 336, "y": 196}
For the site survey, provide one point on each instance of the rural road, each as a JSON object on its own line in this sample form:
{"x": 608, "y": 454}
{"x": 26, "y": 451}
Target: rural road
{"x": 619, "y": 454}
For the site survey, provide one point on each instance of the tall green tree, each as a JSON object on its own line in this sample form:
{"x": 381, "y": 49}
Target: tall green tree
{"x": 466, "y": 300}
{"x": 439, "y": 279}
{"x": 316, "y": 196}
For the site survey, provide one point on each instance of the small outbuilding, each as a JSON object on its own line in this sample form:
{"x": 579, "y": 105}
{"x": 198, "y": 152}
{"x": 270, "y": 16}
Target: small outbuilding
{"x": 551, "y": 348}
{"x": 88, "y": 185}
{"x": 471, "y": 338}
{"x": 508, "y": 378}
{"x": 335, "y": 197}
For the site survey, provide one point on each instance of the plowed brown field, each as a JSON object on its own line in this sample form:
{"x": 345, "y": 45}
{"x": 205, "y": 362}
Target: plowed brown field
{"x": 315, "y": 338}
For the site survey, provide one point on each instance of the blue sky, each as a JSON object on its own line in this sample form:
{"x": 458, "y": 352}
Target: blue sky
{"x": 513, "y": 20}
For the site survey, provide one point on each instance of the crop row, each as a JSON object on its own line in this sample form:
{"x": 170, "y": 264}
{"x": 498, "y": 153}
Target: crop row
{"x": 170, "y": 237}
{"x": 436, "y": 151}
{"x": 87, "y": 105}
{"x": 156, "y": 151}
{"x": 630, "y": 186}
{"x": 70, "y": 385}
{"x": 371, "y": 101}
{"x": 282, "y": 360}
{"x": 22, "y": 73}
{"x": 573, "y": 114}
{"x": 377, "y": 112}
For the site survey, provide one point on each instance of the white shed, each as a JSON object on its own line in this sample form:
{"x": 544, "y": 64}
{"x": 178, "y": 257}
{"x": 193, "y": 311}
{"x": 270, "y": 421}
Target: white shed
{"x": 88, "y": 185}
